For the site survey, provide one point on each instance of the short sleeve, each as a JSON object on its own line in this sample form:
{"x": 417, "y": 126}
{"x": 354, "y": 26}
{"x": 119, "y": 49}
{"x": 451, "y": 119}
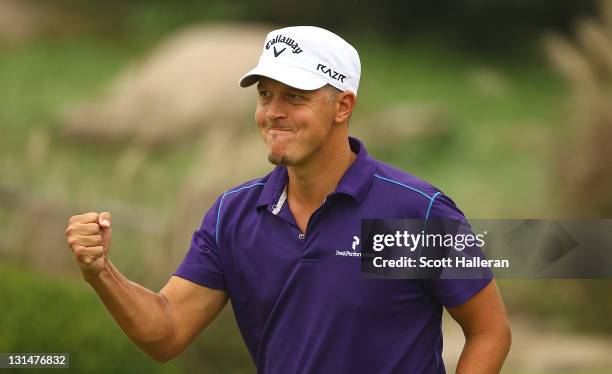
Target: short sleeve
{"x": 202, "y": 264}
{"x": 453, "y": 292}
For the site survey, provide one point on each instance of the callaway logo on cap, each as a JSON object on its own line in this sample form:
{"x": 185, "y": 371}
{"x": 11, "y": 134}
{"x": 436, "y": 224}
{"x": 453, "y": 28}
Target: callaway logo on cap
{"x": 307, "y": 58}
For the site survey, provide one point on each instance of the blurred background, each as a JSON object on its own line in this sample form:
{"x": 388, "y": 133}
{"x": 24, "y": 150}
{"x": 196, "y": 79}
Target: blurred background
{"x": 134, "y": 107}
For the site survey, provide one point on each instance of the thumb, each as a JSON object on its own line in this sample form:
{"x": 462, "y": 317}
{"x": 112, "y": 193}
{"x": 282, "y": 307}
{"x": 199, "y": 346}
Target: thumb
{"x": 104, "y": 220}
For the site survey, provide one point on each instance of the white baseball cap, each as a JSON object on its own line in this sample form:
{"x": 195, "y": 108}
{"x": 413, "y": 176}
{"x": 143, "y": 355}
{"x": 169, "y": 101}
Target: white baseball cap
{"x": 307, "y": 58}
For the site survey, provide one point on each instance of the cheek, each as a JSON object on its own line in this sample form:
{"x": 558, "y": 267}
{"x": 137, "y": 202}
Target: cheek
{"x": 260, "y": 116}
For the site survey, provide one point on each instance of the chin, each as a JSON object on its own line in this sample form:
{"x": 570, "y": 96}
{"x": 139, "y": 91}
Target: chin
{"x": 278, "y": 159}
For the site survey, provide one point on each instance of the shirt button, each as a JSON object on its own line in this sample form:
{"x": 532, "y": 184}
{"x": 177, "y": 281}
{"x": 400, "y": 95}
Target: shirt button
{"x": 301, "y": 236}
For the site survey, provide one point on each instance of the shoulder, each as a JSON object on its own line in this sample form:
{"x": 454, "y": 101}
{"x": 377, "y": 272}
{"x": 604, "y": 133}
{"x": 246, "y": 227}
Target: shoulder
{"x": 233, "y": 203}
{"x": 250, "y": 186}
{"x": 412, "y": 192}
{"x": 388, "y": 177}
{"x": 248, "y": 191}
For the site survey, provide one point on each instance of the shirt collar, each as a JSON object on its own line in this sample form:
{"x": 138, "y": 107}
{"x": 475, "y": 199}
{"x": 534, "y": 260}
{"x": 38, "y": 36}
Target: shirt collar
{"x": 355, "y": 182}
{"x": 358, "y": 177}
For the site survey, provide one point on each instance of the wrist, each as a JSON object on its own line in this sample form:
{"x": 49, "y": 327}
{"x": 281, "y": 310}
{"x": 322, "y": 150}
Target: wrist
{"x": 93, "y": 272}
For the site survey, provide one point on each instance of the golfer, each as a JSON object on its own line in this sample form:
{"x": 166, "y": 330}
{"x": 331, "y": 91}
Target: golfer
{"x": 281, "y": 247}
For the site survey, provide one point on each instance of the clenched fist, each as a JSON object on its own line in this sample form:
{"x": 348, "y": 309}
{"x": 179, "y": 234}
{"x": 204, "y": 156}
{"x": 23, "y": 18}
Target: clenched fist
{"x": 89, "y": 237}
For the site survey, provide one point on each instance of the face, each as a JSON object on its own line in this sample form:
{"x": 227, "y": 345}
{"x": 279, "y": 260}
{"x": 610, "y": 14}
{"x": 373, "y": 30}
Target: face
{"x": 293, "y": 123}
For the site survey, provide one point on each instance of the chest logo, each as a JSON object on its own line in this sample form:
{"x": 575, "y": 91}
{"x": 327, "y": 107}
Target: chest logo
{"x": 348, "y": 252}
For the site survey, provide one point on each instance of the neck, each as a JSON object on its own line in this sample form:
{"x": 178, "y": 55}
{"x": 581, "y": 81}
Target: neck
{"x": 312, "y": 182}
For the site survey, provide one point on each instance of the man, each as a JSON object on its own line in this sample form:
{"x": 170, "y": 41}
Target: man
{"x": 271, "y": 245}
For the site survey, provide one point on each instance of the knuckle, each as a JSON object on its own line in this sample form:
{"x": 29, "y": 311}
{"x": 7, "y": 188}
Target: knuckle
{"x": 78, "y": 250}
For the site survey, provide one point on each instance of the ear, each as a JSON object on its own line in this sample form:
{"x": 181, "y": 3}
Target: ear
{"x": 345, "y": 102}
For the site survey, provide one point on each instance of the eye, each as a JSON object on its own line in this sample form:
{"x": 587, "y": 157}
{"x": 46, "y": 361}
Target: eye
{"x": 264, "y": 96}
{"x": 294, "y": 96}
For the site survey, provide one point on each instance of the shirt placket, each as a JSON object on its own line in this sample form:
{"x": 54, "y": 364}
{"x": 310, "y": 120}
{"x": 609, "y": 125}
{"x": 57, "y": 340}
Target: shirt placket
{"x": 281, "y": 209}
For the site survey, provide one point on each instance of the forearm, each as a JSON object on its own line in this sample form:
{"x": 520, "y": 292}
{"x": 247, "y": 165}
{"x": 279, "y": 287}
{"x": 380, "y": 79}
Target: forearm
{"x": 141, "y": 313}
{"x": 484, "y": 354}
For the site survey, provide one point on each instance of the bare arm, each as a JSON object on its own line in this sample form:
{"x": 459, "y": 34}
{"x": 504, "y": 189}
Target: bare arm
{"x": 161, "y": 324}
{"x": 487, "y": 332}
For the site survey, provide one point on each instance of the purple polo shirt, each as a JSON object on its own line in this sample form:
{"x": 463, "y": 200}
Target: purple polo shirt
{"x": 301, "y": 307}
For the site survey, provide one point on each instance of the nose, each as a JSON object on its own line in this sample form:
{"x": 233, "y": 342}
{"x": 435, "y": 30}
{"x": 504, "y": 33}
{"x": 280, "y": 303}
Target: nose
{"x": 276, "y": 110}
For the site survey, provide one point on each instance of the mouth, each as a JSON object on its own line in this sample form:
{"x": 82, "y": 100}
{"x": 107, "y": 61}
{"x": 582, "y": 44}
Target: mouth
{"x": 278, "y": 131}
{"x": 277, "y": 128}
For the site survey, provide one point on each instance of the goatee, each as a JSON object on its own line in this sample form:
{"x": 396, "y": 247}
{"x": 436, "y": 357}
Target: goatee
{"x": 278, "y": 160}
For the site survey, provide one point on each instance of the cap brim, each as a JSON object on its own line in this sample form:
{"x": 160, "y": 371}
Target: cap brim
{"x": 291, "y": 76}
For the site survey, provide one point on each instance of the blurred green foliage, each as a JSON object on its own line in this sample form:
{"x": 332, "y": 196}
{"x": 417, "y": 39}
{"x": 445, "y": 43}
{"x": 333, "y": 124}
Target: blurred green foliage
{"x": 491, "y": 25}
{"x": 564, "y": 305}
